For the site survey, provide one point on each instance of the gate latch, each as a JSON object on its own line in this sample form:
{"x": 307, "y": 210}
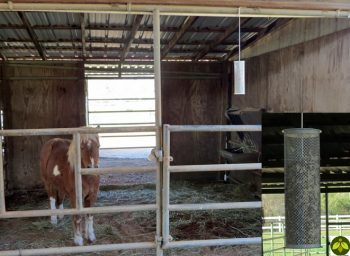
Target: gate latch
{"x": 157, "y": 155}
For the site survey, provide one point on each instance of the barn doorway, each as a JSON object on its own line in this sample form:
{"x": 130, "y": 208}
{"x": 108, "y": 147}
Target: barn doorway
{"x": 124, "y": 102}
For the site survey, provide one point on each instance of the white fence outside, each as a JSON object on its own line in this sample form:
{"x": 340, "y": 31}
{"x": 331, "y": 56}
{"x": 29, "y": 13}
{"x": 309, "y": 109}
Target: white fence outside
{"x": 274, "y": 228}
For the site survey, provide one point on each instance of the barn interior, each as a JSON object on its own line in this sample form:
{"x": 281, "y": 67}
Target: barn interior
{"x": 48, "y": 62}
{"x": 293, "y": 64}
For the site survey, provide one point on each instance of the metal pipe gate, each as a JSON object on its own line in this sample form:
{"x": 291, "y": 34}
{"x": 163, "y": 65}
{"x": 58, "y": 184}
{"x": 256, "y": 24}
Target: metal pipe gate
{"x": 162, "y": 208}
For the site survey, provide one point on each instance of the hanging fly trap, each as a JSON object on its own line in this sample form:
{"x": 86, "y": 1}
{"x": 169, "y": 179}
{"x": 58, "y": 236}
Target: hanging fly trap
{"x": 302, "y": 187}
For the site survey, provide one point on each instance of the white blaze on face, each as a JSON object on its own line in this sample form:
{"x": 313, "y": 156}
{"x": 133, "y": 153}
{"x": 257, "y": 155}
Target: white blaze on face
{"x": 56, "y": 172}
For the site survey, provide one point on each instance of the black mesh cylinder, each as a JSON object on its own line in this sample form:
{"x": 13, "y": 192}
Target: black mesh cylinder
{"x": 302, "y": 187}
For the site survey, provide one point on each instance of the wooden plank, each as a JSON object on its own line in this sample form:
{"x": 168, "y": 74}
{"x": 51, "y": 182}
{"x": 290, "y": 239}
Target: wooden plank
{"x": 135, "y": 27}
{"x": 184, "y": 27}
{"x": 295, "y": 32}
{"x": 32, "y": 34}
{"x": 194, "y": 101}
{"x": 39, "y": 104}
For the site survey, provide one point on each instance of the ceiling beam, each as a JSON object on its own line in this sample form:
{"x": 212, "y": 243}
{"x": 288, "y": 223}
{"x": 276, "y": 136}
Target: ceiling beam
{"x": 229, "y": 31}
{"x": 273, "y": 26}
{"x": 101, "y": 49}
{"x": 82, "y": 31}
{"x": 115, "y": 41}
{"x": 32, "y": 34}
{"x": 127, "y": 28}
{"x": 135, "y": 27}
{"x": 185, "y": 26}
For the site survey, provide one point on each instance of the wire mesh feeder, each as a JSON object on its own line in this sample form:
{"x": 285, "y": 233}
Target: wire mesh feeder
{"x": 302, "y": 187}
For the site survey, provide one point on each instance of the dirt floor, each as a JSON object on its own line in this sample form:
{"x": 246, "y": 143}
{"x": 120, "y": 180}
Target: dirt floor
{"x": 141, "y": 226}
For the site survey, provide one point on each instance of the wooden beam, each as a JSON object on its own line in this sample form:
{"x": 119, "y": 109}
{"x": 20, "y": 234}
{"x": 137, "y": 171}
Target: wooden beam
{"x": 135, "y": 27}
{"x": 32, "y": 34}
{"x": 116, "y": 49}
{"x": 114, "y": 40}
{"x": 125, "y": 28}
{"x": 229, "y": 31}
{"x": 273, "y": 26}
{"x": 185, "y": 26}
{"x": 82, "y": 31}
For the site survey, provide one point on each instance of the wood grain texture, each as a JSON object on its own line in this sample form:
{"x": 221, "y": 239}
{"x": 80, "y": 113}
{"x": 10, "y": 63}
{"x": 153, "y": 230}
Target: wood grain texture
{"x": 194, "y": 101}
{"x": 296, "y": 31}
{"x": 38, "y": 104}
{"x": 320, "y": 66}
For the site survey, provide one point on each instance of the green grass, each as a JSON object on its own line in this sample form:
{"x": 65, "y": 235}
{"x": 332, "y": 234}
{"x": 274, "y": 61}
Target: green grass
{"x": 279, "y": 243}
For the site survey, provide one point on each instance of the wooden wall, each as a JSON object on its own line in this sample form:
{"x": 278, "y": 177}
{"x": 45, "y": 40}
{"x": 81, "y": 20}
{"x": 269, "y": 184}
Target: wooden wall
{"x": 38, "y": 103}
{"x": 296, "y": 31}
{"x": 314, "y": 74}
{"x": 194, "y": 101}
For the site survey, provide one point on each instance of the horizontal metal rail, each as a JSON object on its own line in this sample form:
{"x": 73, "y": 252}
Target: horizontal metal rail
{"x": 215, "y": 128}
{"x": 69, "y": 131}
{"x": 121, "y": 111}
{"x": 127, "y": 147}
{"x": 78, "y": 249}
{"x": 214, "y": 167}
{"x": 114, "y": 99}
{"x": 110, "y": 170}
{"x": 213, "y": 242}
{"x": 146, "y": 123}
{"x": 282, "y": 11}
{"x": 90, "y": 210}
{"x": 214, "y": 206}
{"x": 126, "y": 135}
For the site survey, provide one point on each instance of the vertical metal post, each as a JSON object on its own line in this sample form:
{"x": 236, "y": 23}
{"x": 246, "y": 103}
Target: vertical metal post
{"x": 327, "y": 221}
{"x": 77, "y": 173}
{"x": 2, "y": 182}
{"x": 158, "y": 120}
{"x": 166, "y": 183}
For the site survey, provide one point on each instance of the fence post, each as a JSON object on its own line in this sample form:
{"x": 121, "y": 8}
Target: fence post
{"x": 2, "y": 182}
{"x": 166, "y": 183}
{"x": 77, "y": 172}
{"x": 158, "y": 121}
{"x": 272, "y": 242}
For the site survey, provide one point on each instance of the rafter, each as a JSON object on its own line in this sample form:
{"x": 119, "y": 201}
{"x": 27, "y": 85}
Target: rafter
{"x": 135, "y": 27}
{"x": 126, "y": 28}
{"x": 114, "y": 41}
{"x": 32, "y": 34}
{"x": 185, "y": 26}
{"x": 276, "y": 24}
{"x": 82, "y": 31}
{"x": 115, "y": 49}
{"x": 229, "y": 31}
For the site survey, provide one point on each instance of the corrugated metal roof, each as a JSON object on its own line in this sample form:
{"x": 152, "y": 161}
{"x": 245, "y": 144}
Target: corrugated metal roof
{"x": 61, "y": 34}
